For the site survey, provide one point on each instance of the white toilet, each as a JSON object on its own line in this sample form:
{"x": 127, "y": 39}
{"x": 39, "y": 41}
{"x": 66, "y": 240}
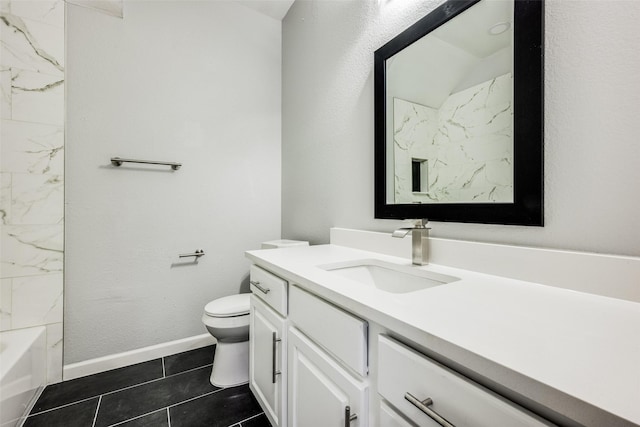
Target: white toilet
{"x": 227, "y": 319}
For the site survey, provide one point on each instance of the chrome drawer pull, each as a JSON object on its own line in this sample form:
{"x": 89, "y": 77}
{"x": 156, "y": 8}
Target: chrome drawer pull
{"x": 424, "y": 407}
{"x": 257, "y": 285}
{"x": 348, "y": 417}
{"x": 275, "y": 341}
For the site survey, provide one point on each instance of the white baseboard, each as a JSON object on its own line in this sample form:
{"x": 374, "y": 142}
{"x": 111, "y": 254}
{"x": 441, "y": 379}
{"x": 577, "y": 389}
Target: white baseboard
{"x": 119, "y": 360}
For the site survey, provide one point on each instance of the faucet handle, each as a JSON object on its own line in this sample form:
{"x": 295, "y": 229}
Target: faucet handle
{"x": 401, "y": 232}
{"x": 418, "y": 224}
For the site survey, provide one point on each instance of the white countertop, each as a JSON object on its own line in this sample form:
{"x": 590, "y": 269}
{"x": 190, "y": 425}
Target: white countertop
{"x": 575, "y": 353}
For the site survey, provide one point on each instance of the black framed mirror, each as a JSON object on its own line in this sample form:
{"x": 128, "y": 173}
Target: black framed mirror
{"x": 459, "y": 115}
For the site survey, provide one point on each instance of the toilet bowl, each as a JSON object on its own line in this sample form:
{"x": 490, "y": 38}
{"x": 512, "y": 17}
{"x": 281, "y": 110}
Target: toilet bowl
{"x": 227, "y": 319}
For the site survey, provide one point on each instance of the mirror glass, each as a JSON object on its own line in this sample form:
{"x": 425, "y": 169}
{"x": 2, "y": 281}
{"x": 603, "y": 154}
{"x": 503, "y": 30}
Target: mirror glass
{"x": 455, "y": 139}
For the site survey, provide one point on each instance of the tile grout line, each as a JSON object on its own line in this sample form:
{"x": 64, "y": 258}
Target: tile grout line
{"x": 194, "y": 398}
{"x": 134, "y": 418}
{"x": 164, "y": 372}
{"x": 167, "y": 408}
{"x": 247, "y": 419}
{"x": 157, "y": 379}
{"x": 95, "y": 395}
{"x": 95, "y": 417}
{"x": 173, "y": 375}
{"x": 118, "y": 390}
{"x": 64, "y": 406}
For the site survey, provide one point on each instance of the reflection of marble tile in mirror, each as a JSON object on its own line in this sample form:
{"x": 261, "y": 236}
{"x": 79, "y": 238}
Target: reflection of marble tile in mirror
{"x": 467, "y": 143}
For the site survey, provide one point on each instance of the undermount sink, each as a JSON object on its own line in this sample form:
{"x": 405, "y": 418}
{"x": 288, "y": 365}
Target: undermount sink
{"x": 388, "y": 277}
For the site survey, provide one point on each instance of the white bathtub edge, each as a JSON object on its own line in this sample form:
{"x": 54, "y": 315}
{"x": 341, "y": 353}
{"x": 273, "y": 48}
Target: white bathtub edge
{"x": 23, "y": 373}
{"x": 30, "y": 406}
{"x": 119, "y": 360}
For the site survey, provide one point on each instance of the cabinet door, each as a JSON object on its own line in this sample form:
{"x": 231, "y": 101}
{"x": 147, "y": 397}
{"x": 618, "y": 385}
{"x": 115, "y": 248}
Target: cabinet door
{"x": 267, "y": 361}
{"x": 321, "y": 393}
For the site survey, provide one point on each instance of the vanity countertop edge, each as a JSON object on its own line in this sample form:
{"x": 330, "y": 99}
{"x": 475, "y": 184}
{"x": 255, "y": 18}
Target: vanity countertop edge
{"x": 574, "y": 353}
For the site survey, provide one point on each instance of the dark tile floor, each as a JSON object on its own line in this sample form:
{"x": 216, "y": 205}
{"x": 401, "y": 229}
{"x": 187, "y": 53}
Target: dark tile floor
{"x": 173, "y": 391}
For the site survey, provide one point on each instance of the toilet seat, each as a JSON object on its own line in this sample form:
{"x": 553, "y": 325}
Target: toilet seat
{"x": 230, "y": 306}
{"x": 227, "y": 320}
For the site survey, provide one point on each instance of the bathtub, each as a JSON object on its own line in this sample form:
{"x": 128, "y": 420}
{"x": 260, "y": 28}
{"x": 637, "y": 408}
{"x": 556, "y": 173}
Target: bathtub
{"x": 23, "y": 370}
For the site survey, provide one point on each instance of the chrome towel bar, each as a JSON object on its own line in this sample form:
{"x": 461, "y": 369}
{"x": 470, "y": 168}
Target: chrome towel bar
{"x": 198, "y": 253}
{"x": 117, "y": 161}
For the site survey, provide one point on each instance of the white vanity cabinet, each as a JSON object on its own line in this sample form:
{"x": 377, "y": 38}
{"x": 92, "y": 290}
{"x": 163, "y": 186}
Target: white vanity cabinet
{"x": 405, "y": 375}
{"x": 327, "y": 378}
{"x": 475, "y": 347}
{"x": 310, "y": 360}
{"x": 268, "y": 344}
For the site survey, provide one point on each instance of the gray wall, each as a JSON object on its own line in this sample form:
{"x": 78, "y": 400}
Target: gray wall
{"x": 195, "y": 82}
{"x": 592, "y": 94}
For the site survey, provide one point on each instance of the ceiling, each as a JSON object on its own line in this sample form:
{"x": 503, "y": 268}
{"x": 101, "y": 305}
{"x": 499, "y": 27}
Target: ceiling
{"x": 276, "y": 9}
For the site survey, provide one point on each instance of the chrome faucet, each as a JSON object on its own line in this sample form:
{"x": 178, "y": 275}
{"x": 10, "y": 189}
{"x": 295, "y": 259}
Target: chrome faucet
{"x": 419, "y": 240}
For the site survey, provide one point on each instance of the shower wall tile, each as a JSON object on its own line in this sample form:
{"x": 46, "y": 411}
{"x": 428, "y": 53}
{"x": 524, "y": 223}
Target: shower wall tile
{"x": 31, "y": 148}
{"x": 108, "y": 7}
{"x": 31, "y": 45}
{"x": 5, "y": 92}
{"x": 5, "y": 304}
{"x": 46, "y": 11}
{"x": 36, "y": 300}
{"x": 30, "y": 250}
{"x": 37, "y": 97}
{"x": 54, "y": 352}
{"x": 5, "y": 197}
{"x": 36, "y": 199}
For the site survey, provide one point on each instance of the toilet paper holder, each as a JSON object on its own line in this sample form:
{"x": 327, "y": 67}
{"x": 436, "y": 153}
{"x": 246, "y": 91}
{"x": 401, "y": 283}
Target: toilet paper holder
{"x": 197, "y": 254}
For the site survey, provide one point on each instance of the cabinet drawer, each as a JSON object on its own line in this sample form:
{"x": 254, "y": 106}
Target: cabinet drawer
{"x": 456, "y": 398}
{"x": 270, "y": 288}
{"x": 340, "y": 333}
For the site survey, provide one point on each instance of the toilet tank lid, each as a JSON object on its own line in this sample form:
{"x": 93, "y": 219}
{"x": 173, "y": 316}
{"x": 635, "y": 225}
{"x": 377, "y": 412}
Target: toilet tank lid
{"x": 233, "y": 305}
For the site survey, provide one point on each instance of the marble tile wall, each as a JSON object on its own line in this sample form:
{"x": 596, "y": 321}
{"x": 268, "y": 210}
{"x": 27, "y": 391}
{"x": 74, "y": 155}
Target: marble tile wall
{"x": 467, "y": 146}
{"x": 32, "y": 170}
{"x": 108, "y": 7}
